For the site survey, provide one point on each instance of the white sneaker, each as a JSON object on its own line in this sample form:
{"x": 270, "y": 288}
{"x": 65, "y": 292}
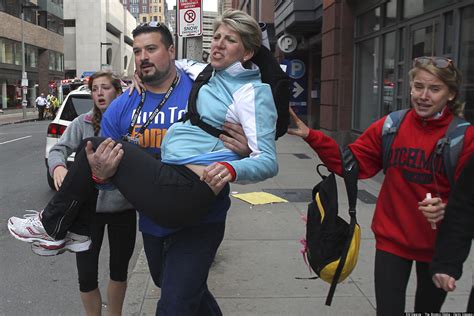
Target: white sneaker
{"x": 73, "y": 243}
{"x": 30, "y": 229}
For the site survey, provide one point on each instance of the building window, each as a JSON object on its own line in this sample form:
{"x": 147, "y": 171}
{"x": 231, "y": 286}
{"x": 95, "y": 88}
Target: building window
{"x": 56, "y": 61}
{"x": 389, "y": 79}
{"x": 109, "y": 56}
{"x": 70, "y": 23}
{"x": 6, "y": 51}
{"x": 412, "y": 8}
{"x": 390, "y": 12}
{"x": 144, "y": 19}
{"x": 31, "y": 56}
{"x": 424, "y": 41}
{"x": 144, "y": 9}
{"x": 366, "y": 78}
{"x": 466, "y": 61}
{"x": 155, "y": 18}
{"x": 17, "y": 48}
{"x": 10, "y": 7}
{"x": 448, "y": 33}
{"x": 368, "y": 22}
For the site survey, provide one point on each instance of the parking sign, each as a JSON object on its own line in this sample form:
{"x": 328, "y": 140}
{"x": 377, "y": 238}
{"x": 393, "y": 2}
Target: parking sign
{"x": 190, "y": 18}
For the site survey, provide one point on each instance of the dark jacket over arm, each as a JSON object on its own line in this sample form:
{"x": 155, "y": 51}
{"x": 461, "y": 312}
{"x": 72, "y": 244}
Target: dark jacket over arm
{"x": 456, "y": 232}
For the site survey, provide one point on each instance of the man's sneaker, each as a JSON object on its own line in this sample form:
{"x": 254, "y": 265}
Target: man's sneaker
{"x": 73, "y": 243}
{"x": 30, "y": 229}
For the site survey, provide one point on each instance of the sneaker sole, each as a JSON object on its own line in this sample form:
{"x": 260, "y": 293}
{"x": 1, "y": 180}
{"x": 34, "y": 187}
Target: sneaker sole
{"x": 40, "y": 251}
{"x": 52, "y": 244}
{"x": 45, "y": 250}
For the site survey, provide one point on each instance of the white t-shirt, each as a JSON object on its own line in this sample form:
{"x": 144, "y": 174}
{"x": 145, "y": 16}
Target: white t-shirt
{"x": 41, "y": 101}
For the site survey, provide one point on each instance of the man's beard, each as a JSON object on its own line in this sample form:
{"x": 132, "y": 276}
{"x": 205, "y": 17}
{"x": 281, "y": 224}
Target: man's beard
{"x": 156, "y": 77}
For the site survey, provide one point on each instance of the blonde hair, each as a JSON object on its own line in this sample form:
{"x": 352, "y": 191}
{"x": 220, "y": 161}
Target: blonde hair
{"x": 245, "y": 25}
{"x": 451, "y": 76}
{"x": 96, "y": 112}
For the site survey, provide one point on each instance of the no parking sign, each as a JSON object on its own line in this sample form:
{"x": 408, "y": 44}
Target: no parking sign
{"x": 190, "y": 18}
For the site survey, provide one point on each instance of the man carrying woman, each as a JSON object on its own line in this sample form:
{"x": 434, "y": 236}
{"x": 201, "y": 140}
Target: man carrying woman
{"x": 186, "y": 198}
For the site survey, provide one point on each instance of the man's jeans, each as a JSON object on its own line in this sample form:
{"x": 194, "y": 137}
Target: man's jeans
{"x": 179, "y": 264}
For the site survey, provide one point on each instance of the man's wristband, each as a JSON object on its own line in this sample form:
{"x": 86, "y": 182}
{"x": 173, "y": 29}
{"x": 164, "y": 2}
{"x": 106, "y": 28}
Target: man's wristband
{"x": 99, "y": 180}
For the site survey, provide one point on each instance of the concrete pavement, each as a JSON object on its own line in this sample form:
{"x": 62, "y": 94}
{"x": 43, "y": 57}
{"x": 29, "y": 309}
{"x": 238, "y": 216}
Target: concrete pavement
{"x": 259, "y": 261}
{"x": 13, "y": 116}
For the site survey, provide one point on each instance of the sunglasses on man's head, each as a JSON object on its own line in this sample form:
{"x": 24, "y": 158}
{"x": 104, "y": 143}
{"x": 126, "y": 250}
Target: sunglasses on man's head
{"x": 439, "y": 62}
{"x": 151, "y": 24}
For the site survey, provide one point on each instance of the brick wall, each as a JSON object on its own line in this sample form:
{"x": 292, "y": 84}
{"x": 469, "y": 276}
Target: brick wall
{"x": 336, "y": 69}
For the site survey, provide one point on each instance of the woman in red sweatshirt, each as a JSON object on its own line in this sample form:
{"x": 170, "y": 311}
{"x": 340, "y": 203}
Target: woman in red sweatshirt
{"x": 404, "y": 218}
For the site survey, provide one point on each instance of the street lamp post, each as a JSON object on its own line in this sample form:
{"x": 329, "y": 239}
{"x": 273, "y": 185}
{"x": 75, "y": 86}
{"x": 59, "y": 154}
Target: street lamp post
{"x": 103, "y": 44}
{"x": 24, "y": 78}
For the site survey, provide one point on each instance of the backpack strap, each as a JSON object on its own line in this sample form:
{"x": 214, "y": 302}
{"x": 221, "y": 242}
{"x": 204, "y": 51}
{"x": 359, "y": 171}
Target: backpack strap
{"x": 192, "y": 114}
{"x": 351, "y": 174}
{"x": 389, "y": 131}
{"x": 450, "y": 146}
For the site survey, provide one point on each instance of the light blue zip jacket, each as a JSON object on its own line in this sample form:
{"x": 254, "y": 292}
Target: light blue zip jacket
{"x": 236, "y": 95}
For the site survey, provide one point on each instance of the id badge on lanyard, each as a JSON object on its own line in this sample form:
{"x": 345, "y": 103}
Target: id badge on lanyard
{"x": 130, "y": 139}
{"x": 135, "y": 140}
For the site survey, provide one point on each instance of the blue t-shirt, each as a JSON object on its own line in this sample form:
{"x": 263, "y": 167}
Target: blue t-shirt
{"x": 117, "y": 119}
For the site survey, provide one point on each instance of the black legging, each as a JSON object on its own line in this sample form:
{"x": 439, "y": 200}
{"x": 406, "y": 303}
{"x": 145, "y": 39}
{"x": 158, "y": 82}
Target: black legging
{"x": 121, "y": 230}
{"x": 171, "y": 195}
{"x": 391, "y": 279}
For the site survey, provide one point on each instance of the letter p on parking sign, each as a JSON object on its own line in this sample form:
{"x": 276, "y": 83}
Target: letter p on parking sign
{"x": 190, "y": 18}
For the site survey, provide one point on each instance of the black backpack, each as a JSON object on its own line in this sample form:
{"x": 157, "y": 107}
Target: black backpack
{"x": 332, "y": 244}
{"x": 271, "y": 74}
{"x": 449, "y": 146}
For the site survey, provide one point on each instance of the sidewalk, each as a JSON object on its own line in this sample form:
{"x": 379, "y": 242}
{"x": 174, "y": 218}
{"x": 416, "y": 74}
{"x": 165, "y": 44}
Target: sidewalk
{"x": 13, "y": 116}
{"x": 259, "y": 260}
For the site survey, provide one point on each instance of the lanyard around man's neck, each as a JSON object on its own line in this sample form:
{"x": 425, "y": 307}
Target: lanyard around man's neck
{"x": 155, "y": 112}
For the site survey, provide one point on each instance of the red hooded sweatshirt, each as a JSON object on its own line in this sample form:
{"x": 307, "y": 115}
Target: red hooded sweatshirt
{"x": 399, "y": 227}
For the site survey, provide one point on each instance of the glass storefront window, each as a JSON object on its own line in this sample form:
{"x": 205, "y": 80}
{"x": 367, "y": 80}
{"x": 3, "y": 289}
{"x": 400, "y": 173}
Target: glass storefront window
{"x": 466, "y": 61}
{"x": 366, "y": 78}
{"x": 389, "y": 74}
{"x": 368, "y": 22}
{"x": 390, "y": 12}
{"x": 424, "y": 41}
{"x": 413, "y": 8}
{"x": 448, "y": 33}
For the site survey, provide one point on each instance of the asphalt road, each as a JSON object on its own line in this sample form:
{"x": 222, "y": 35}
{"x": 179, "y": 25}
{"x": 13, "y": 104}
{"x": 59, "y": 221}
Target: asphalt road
{"x": 30, "y": 284}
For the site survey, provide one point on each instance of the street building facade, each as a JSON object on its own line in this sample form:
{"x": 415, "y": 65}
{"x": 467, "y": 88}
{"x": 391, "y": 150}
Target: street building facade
{"x": 97, "y": 36}
{"x": 208, "y": 18}
{"x": 41, "y": 31}
{"x": 156, "y": 11}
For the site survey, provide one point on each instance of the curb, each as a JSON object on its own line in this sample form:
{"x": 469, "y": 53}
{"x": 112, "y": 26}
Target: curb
{"x": 18, "y": 122}
{"x": 137, "y": 286}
